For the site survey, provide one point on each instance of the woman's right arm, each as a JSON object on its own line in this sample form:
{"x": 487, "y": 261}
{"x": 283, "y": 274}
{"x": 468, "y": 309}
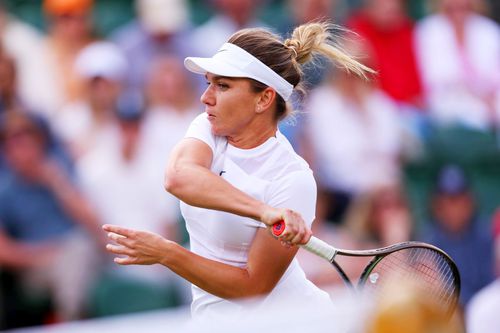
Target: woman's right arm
{"x": 189, "y": 178}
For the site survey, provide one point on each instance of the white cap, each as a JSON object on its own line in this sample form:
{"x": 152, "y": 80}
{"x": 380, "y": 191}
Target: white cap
{"x": 101, "y": 59}
{"x": 233, "y": 61}
{"x": 163, "y": 15}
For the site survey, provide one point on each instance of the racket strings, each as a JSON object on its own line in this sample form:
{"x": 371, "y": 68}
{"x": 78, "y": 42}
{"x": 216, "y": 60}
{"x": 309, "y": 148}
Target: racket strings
{"x": 425, "y": 268}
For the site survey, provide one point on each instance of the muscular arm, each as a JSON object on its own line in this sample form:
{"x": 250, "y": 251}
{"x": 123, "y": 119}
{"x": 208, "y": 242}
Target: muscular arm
{"x": 188, "y": 177}
{"x": 267, "y": 262}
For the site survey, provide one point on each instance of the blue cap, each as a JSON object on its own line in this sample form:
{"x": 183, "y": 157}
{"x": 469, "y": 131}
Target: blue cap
{"x": 129, "y": 106}
{"x": 452, "y": 180}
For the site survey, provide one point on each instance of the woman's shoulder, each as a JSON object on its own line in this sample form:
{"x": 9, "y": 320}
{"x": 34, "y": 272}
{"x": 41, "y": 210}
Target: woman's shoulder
{"x": 288, "y": 160}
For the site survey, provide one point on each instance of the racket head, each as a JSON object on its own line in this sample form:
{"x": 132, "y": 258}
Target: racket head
{"x": 430, "y": 270}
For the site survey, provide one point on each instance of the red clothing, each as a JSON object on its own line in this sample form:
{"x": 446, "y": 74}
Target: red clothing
{"x": 394, "y": 57}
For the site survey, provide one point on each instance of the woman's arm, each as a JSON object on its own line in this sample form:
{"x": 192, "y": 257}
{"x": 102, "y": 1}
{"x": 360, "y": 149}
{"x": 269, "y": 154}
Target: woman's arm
{"x": 188, "y": 177}
{"x": 267, "y": 262}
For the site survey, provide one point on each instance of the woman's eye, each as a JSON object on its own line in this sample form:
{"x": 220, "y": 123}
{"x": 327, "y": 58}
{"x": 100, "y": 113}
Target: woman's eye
{"x": 222, "y": 85}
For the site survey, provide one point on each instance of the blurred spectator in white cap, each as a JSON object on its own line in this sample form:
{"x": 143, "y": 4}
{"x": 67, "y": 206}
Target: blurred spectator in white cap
{"x": 161, "y": 28}
{"x": 458, "y": 51}
{"x": 230, "y": 16}
{"x": 91, "y": 119}
{"x": 481, "y": 315}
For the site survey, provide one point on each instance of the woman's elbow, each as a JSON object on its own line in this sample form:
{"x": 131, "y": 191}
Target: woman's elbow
{"x": 172, "y": 182}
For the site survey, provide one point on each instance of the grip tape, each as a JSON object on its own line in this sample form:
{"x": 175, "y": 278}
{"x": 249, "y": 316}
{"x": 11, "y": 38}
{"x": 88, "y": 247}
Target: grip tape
{"x": 319, "y": 247}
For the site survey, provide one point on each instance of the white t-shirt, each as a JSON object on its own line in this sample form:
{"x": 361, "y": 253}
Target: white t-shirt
{"x": 355, "y": 149}
{"x": 130, "y": 194}
{"x": 458, "y": 78}
{"x": 272, "y": 173}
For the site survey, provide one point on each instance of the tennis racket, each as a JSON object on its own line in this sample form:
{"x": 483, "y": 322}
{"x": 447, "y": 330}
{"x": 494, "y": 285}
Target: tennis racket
{"x": 430, "y": 268}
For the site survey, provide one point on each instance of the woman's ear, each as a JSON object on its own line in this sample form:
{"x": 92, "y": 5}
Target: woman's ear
{"x": 265, "y": 100}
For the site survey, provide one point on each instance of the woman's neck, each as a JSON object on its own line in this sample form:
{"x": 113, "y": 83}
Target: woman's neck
{"x": 253, "y": 137}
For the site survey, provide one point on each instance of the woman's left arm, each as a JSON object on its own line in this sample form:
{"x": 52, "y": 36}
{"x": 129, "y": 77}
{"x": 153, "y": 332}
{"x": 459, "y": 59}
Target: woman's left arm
{"x": 267, "y": 262}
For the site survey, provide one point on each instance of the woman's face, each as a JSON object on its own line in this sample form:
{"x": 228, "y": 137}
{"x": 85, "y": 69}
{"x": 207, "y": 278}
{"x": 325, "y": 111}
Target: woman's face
{"x": 230, "y": 104}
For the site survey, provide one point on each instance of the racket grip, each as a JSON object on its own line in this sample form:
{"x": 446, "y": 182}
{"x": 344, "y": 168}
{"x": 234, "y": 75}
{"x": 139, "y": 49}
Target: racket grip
{"x": 320, "y": 248}
{"x": 314, "y": 245}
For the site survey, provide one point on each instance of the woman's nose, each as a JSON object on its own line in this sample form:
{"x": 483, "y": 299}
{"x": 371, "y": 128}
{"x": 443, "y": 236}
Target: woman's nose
{"x": 207, "y": 97}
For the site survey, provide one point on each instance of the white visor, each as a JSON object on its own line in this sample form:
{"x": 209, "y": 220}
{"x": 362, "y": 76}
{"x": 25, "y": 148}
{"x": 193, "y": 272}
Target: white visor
{"x": 233, "y": 61}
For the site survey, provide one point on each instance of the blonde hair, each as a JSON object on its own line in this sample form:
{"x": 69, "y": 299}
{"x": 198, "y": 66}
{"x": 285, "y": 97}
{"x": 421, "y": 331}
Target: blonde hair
{"x": 286, "y": 57}
{"x": 320, "y": 38}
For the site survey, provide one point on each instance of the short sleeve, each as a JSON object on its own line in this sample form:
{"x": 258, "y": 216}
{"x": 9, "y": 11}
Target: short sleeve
{"x": 296, "y": 191}
{"x": 200, "y": 129}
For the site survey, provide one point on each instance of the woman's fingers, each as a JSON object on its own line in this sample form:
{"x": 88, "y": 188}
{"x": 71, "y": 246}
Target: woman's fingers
{"x": 121, "y": 240}
{"x": 121, "y": 250}
{"x": 118, "y": 230}
{"x": 125, "y": 260}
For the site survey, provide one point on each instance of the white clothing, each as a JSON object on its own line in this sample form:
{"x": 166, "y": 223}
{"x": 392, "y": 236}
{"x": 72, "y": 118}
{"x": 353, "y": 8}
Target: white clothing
{"x": 354, "y": 149}
{"x": 163, "y": 127}
{"x": 77, "y": 127}
{"x": 458, "y": 79}
{"x": 272, "y": 173}
{"x": 130, "y": 194}
{"x": 481, "y": 315}
{"x": 36, "y": 84}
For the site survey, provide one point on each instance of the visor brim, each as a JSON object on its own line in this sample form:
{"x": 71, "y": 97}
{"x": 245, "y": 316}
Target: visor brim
{"x": 210, "y": 65}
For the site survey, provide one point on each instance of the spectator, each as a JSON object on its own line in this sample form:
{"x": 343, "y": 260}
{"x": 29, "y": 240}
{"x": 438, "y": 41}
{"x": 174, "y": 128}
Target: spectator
{"x": 123, "y": 182}
{"x": 301, "y": 12}
{"x": 171, "y": 107}
{"x": 230, "y": 16}
{"x": 352, "y": 138}
{"x": 90, "y": 120}
{"x": 482, "y": 311}
{"x": 42, "y": 219}
{"x": 161, "y": 29}
{"x": 69, "y": 31}
{"x": 20, "y": 42}
{"x": 458, "y": 52}
{"x": 388, "y": 31}
{"x": 456, "y": 228}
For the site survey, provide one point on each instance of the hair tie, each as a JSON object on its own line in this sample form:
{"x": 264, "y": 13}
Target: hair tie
{"x": 292, "y": 45}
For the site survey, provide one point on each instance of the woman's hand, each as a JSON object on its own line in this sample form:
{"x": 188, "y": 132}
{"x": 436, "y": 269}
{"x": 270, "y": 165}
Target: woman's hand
{"x": 136, "y": 247}
{"x": 296, "y": 231}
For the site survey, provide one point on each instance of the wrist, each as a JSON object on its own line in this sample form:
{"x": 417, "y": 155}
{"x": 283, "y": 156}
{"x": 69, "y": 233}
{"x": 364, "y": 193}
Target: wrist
{"x": 170, "y": 250}
{"x": 267, "y": 215}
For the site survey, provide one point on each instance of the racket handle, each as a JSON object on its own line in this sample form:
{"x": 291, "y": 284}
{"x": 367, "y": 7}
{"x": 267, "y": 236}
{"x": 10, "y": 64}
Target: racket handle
{"x": 314, "y": 245}
{"x": 320, "y": 248}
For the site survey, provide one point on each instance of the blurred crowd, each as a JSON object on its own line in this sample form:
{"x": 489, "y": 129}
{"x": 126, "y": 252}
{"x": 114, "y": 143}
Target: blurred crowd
{"x": 87, "y": 121}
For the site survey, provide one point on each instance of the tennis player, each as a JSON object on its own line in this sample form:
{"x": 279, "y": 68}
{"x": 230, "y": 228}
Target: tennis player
{"x": 237, "y": 175}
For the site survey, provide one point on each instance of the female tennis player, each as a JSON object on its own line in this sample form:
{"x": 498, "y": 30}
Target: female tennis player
{"x": 236, "y": 174}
